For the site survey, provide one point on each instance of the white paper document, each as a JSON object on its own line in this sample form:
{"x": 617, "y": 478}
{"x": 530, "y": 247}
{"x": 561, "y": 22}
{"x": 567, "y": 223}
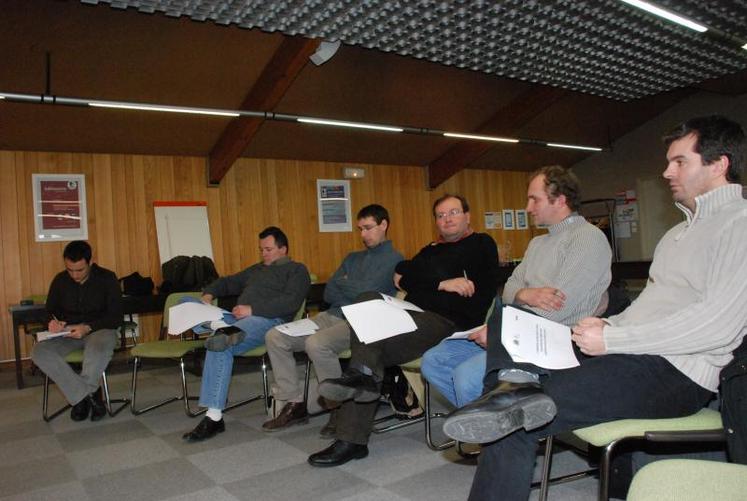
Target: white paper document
{"x": 537, "y": 340}
{"x": 465, "y": 334}
{"x": 44, "y": 335}
{"x": 183, "y": 317}
{"x": 299, "y": 328}
{"x": 380, "y": 318}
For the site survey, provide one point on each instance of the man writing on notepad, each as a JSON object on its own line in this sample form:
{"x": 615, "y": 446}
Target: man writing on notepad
{"x": 85, "y": 301}
{"x": 454, "y": 280}
{"x": 366, "y": 270}
{"x": 563, "y": 277}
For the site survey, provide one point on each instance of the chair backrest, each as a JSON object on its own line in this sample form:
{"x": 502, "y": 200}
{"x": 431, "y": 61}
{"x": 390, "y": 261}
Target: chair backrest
{"x": 171, "y": 300}
{"x": 301, "y": 311}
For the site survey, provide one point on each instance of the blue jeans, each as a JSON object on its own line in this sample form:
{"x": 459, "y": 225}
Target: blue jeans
{"x": 216, "y": 376}
{"x": 455, "y": 367}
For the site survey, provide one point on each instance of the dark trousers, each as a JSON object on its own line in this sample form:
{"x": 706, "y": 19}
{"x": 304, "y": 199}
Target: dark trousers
{"x": 601, "y": 389}
{"x": 355, "y": 420}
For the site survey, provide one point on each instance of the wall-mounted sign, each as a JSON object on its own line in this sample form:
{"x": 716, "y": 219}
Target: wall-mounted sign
{"x": 60, "y": 207}
{"x": 333, "y": 199}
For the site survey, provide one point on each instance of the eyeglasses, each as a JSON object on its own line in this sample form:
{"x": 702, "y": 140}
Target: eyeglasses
{"x": 452, "y": 213}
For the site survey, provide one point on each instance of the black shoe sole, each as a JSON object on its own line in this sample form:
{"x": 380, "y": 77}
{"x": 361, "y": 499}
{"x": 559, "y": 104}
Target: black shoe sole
{"x": 221, "y": 342}
{"x": 358, "y": 455}
{"x": 480, "y": 427}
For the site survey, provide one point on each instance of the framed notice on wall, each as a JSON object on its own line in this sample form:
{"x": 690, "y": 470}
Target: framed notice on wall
{"x": 60, "y": 207}
{"x": 333, "y": 198}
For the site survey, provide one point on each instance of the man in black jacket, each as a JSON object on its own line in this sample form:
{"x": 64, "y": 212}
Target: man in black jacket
{"x": 454, "y": 281}
{"x": 85, "y": 302}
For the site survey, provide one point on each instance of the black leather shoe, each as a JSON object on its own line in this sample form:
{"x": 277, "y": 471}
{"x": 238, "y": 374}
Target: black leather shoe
{"x": 98, "y": 409}
{"x": 502, "y": 410}
{"x": 353, "y": 384}
{"x": 207, "y": 428}
{"x": 340, "y": 452}
{"x": 80, "y": 410}
{"x": 224, "y": 339}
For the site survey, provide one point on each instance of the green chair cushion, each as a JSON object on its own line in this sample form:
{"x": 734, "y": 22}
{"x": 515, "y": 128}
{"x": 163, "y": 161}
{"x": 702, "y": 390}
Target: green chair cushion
{"x": 255, "y": 352}
{"x": 689, "y": 480}
{"x": 412, "y": 365}
{"x": 165, "y": 349}
{"x": 74, "y": 357}
{"x": 345, "y": 354}
{"x": 605, "y": 433}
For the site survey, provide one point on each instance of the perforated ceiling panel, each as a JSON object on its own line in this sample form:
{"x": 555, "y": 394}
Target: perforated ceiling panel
{"x": 600, "y": 47}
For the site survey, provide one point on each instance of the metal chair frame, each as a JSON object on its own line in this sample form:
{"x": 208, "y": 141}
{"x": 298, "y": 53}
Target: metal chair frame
{"x": 108, "y": 401}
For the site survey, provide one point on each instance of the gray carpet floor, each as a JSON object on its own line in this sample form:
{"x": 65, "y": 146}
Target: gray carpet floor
{"x": 144, "y": 457}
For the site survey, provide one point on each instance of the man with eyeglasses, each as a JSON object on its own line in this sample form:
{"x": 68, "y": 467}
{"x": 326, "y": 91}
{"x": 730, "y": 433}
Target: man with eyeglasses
{"x": 371, "y": 269}
{"x": 453, "y": 280}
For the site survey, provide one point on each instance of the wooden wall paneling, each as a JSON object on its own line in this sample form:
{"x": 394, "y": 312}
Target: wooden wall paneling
{"x": 255, "y": 193}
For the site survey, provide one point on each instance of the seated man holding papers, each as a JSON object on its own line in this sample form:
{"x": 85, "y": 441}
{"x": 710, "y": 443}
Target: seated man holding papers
{"x": 85, "y": 303}
{"x": 661, "y": 357}
{"x": 563, "y": 277}
{"x": 270, "y": 293}
{"x": 454, "y": 280}
{"x": 371, "y": 269}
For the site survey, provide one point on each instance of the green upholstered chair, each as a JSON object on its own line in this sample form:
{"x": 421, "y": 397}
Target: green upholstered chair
{"x": 703, "y": 426}
{"x": 76, "y": 357}
{"x": 164, "y": 350}
{"x": 689, "y": 480}
{"x": 261, "y": 353}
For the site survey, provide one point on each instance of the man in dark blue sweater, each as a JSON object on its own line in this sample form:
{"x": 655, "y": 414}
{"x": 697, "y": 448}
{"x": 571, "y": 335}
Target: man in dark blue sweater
{"x": 371, "y": 269}
{"x": 454, "y": 281}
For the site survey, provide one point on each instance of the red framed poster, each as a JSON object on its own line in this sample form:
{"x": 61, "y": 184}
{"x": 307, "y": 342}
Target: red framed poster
{"x": 60, "y": 207}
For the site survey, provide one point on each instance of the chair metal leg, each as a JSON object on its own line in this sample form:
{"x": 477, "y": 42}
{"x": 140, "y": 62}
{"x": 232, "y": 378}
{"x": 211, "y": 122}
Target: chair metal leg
{"x": 45, "y": 403}
{"x": 264, "y": 395}
{"x": 108, "y": 401}
{"x": 604, "y": 470}
{"x": 306, "y": 381}
{"x": 546, "y": 467}
{"x": 429, "y": 425}
{"x": 184, "y": 396}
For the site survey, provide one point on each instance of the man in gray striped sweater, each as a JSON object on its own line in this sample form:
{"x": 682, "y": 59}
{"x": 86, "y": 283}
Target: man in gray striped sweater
{"x": 563, "y": 277}
{"x": 661, "y": 357}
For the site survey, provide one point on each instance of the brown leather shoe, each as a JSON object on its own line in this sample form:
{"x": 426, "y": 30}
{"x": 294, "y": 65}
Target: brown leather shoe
{"x": 291, "y": 413}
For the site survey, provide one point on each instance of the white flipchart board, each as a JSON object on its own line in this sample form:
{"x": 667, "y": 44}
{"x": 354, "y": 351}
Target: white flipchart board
{"x": 183, "y": 229}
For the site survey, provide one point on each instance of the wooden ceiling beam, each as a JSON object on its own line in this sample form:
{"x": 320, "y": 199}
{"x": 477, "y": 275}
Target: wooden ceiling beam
{"x": 278, "y": 75}
{"x": 519, "y": 112}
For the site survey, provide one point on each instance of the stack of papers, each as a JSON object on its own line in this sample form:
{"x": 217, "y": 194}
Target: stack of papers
{"x": 299, "y": 328}
{"x": 44, "y": 335}
{"x": 537, "y": 340}
{"x": 465, "y": 334}
{"x": 380, "y": 318}
{"x": 185, "y": 316}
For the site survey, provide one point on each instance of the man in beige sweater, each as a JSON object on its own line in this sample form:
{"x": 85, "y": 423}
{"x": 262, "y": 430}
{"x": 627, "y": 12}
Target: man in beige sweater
{"x": 661, "y": 357}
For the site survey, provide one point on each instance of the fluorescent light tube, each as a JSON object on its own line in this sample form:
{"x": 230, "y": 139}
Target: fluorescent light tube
{"x": 658, "y": 11}
{"x": 574, "y": 147}
{"x": 354, "y": 125}
{"x": 171, "y": 109}
{"x": 481, "y": 138}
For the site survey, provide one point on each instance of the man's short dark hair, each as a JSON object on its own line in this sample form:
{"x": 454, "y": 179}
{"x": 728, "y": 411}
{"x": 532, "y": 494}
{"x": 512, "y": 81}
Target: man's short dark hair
{"x": 560, "y": 181}
{"x": 77, "y": 250}
{"x": 273, "y": 231}
{"x": 376, "y": 211}
{"x": 715, "y": 136}
{"x": 446, "y": 196}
